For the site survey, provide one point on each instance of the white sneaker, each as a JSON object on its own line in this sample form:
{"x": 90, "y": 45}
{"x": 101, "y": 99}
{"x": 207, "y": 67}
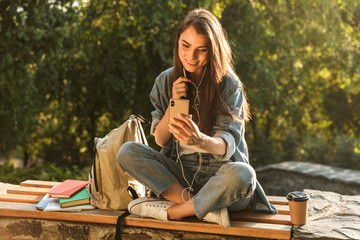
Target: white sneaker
{"x": 219, "y": 216}
{"x": 150, "y": 207}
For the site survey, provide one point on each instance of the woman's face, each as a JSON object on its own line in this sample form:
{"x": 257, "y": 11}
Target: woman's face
{"x": 193, "y": 50}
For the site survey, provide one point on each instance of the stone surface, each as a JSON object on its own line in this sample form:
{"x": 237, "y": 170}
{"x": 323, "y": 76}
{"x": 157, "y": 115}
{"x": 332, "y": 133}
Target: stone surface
{"x": 331, "y": 216}
{"x": 284, "y": 177}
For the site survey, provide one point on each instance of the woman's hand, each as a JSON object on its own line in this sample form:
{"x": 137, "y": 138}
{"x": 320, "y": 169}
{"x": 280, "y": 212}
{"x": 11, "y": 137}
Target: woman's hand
{"x": 179, "y": 87}
{"x": 161, "y": 132}
{"x": 186, "y": 131}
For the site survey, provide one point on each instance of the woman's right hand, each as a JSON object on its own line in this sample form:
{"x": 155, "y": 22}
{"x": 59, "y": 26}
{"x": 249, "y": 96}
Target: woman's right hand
{"x": 179, "y": 87}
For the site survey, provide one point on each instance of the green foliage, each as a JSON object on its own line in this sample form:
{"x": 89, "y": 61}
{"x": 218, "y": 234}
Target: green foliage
{"x": 299, "y": 61}
{"x": 72, "y": 70}
{"x": 344, "y": 155}
{"x": 49, "y": 172}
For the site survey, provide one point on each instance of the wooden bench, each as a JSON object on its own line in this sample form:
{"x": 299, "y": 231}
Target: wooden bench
{"x": 19, "y": 201}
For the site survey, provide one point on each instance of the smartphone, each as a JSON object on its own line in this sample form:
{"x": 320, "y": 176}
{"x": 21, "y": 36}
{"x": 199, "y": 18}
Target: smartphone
{"x": 178, "y": 106}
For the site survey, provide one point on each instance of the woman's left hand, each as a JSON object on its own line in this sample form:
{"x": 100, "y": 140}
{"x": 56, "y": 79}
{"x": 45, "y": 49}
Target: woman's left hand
{"x": 186, "y": 131}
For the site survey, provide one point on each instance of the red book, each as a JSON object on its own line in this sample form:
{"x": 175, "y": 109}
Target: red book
{"x": 67, "y": 188}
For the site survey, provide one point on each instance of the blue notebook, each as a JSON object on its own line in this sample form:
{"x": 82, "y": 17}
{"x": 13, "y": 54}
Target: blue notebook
{"x": 43, "y": 202}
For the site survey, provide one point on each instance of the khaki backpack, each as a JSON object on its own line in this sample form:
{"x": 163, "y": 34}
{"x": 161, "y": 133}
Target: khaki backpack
{"x": 108, "y": 183}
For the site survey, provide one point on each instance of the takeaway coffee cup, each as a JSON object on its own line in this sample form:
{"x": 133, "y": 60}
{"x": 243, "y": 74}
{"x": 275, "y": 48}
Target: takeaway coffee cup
{"x": 298, "y": 204}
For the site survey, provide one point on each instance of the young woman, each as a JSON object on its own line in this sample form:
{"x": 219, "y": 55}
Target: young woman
{"x": 203, "y": 167}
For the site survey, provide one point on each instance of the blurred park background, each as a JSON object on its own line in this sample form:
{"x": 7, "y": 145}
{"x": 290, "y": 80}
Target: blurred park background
{"x": 73, "y": 70}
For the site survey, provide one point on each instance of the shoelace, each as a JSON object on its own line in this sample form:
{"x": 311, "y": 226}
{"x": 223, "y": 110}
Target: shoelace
{"x": 156, "y": 205}
{"x": 153, "y": 209}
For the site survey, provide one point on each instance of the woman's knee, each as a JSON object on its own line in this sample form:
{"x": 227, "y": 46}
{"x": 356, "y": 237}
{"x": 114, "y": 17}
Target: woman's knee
{"x": 241, "y": 176}
{"x": 124, "y": 155}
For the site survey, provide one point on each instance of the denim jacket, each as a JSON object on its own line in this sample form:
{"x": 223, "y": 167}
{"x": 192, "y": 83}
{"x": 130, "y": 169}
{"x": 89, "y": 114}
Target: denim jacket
{"x": 233, "y": 132}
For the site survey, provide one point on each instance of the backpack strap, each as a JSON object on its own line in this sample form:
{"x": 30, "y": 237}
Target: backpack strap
{"x": 140, "y": 131}
{"x": 143, "y": 136}
{"x": 124, "y": 215}
{"x": 142, "y": 119}
{"x": 95, "y": 154}
{"x": 133, "y": 192}
{"x": 118, "y": 224}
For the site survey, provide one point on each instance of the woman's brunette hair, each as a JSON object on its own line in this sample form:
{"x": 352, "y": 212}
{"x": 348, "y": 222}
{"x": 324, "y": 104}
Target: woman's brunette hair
{"x": 219, "y": 62}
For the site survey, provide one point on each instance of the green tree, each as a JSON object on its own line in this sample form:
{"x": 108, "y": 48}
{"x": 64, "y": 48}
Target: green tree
{"x": 31, "y": 37}
{"x": 73, "y": 70}
{"x": 289, "y": 54}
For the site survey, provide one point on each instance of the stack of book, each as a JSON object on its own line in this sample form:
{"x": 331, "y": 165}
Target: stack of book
{"x": 70, "y": 195}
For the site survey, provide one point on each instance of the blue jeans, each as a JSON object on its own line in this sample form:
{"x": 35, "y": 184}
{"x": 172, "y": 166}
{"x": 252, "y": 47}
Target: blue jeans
{"x": 216, "y": 185}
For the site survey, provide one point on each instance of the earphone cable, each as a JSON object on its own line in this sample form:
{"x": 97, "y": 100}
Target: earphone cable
{"x": 197, "y": 98}
{"x": 195, "y": 106}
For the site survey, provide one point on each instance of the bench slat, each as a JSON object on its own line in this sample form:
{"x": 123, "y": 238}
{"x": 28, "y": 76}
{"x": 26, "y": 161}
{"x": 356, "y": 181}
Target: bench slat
{"x": 276, "y": 226}
{"x": 280, "y": 203}
{"x": 239, "y": 228}
{"x": 282, "y": 209}
{"x": 260, "y": 217}
{"x": 277, "y": 200}
{"x": 25, "y": 191}
{"x": 39, "y": 183}
{"x": 20, "y": 198}
{"x": 28, "y": 190}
